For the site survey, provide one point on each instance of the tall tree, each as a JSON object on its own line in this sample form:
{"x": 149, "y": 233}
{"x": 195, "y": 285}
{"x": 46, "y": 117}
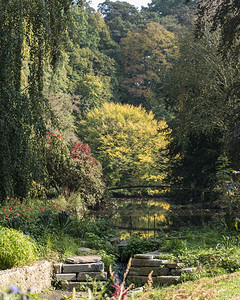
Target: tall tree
{"x": 224, "y": 16}
{"x": 146, "y": 55}
{"x": 199, "y": 88}
{"x": 128, "y": 142}
{"x": 36, "y": 30}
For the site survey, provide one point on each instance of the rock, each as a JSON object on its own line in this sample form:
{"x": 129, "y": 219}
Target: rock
{"x": 154, "y": 253}
{"x": 148, "y": 262}
{"x": 94, "y": 275}
{"x": 168, "y": 279}
{"x": 164, "y": 271}
{"x": 143, "y": 256}
{"x": 84, "y": 259}
{"x": 75, "y": 268}
{"x": 123, "y": 243}
{"x": 66, "y": 276}
{"x": 176, "y": 272}
{"x": 87, "y": 250}
{"x": 144, "y": 271}
{"x": 76, "y": 284}
{"x": 143, "y": 279}
{"x": 57, "y": 268}
{"x": 174, "y": 265}
{"x": 114, "y": 240}
{"x": 188, "y": 270}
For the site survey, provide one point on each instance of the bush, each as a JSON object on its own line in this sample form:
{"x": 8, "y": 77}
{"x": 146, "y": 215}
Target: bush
{"x": 16, "y": 249}
{"x": 138, "y": 245}
{"x": 72, "y": 169}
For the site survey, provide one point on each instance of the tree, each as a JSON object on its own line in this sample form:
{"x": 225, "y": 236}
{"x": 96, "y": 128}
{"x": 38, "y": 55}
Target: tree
{"x": 34, "y": 30}
{"x": 223, "y": 15}
{"x": 146, "y": 55}
{"x": 177, "y": 8}
{"x": 199, "y": 89}
{"x": 122, "y": 17}
{"x": 128, "y": 142}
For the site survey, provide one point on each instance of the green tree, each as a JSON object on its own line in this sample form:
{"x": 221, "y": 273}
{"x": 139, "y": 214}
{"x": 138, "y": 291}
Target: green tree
{"x": 184, "y": 13}
{"x": 222, "y": 15}
{"x": 146, "y": 56}
{"x": 199, "y": 89}
{"x": 35, "y": 29}
{"x": 90, "y": 73}
{"x": 128, "y": 142}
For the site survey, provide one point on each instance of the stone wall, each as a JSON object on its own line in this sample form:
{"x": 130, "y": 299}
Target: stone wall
{"x": 78, "y": 269}
{"x": 37, "y": 276}
{"x": 164, "y": 271}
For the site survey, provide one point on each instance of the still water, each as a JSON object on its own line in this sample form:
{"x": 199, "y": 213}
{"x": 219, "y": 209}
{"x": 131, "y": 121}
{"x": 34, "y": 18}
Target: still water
{"x": 155, "y": 215}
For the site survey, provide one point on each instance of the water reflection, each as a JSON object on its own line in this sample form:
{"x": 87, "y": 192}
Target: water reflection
{"x": 155, "y": 215}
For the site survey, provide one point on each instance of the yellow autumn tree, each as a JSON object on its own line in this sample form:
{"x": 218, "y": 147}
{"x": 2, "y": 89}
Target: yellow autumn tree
{"x": 128, "y": 141}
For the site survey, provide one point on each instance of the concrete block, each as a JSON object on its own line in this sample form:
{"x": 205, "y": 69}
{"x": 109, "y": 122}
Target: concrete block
{"x": 76, "y": 268}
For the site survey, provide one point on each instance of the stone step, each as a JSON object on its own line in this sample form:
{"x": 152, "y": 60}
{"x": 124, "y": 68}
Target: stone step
{"x": 66, "y": 276}
{"x": 57, "y": 268}
{"x": 177, "y": 272}
{"x": 174, "y": 265}
{"x": 76, "y": 268}
{"x": 144, "y": 271}
{"x": 83, "y": 276}
{"x": 142, "y": 279}
{"x": 83, "y": 259}
{"x": 76, "y": 284}
{"x": 148, "y": 262}
{"x": 168, "y": 279}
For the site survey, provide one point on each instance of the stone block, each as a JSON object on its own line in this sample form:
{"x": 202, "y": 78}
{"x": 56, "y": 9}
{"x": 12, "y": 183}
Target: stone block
{"x": 144, "y": 271}
{"x": 68, "y": 286}
{"x": 123, "y": 243}
{"x": 57, "y": 268}
{"x": 168, "y": 279}
{"x": 176, "y": 272}
{"x": 164, "y": 271}
{"x": 174, "y": 265}
{"x": 66, "y": 276}
{"x": 188, "y": 270}
{"x": 84, "y": 249}
{"x": 94, "y": 275}
{"x": 148, "y": 262}
{"x": 76, "y": 268}
{"x": 143, "y": 279}
{"x": 143, "y": 256}
{"x": 84, "y": 259}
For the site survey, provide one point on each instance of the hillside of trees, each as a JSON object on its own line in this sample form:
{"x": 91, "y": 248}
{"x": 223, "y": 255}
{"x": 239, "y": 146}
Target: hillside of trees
{"x": 71, "y": 76}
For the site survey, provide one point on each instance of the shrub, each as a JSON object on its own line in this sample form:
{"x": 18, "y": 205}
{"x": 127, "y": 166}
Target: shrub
{"x": 137, "y": 245}
{"x": 72, "y": 169}
{"x": 16, "y": 249}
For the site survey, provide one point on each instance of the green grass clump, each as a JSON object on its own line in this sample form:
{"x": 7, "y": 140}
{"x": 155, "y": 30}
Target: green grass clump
{"x": 16, "y": 249}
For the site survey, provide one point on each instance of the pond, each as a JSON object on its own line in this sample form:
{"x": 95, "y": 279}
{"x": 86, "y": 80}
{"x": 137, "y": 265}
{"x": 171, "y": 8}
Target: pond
{"x": 155, "y": 215}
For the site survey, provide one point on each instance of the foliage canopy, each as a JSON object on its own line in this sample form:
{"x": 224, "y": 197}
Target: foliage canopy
{"x": 128, "y": 142}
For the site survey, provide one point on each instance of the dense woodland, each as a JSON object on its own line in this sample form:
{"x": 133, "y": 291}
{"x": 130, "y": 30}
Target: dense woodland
{"x": 96, "y": 100}
{"x": 153, "y": 92}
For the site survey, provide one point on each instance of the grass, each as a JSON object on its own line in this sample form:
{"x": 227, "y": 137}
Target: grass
{"x": 224, "y": 287}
